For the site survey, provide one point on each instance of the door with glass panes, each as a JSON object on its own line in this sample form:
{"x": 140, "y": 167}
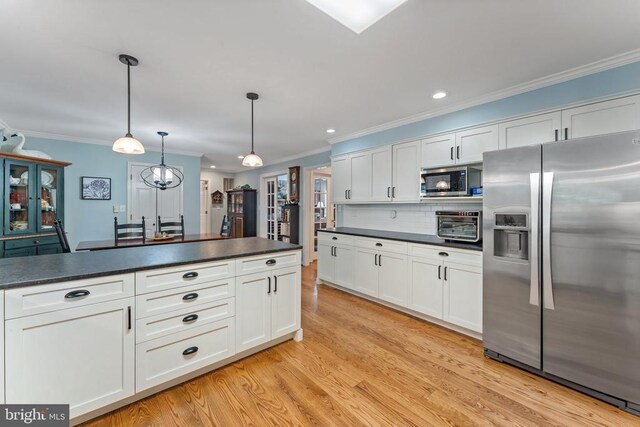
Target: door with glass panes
{"x": 276, "y": 197}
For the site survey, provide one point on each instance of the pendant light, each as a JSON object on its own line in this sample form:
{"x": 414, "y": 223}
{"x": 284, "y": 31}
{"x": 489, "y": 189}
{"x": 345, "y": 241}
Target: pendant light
{"x": 252, "y": 159}
{"x": 162, "y": 176}
{"x": 128, "y": 144}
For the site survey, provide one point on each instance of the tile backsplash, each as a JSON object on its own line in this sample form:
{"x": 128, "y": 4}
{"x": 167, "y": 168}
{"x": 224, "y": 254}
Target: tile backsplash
{"x": 409, "y": 218}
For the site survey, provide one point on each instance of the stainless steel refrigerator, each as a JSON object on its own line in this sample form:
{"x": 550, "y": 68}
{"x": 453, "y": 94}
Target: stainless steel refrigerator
{"x": 561, "y": 224}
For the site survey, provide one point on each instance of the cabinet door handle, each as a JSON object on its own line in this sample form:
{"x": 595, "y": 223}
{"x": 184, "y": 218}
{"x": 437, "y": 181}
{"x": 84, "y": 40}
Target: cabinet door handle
{"x": 443, "y": 254}
{"x": 190, "y": 350}
{"x": 269, "y": 286}
{"x": 334, "y": 238}
{"x": 375, "y": 259}
{"x": 379, "y": 244}
{"x": 275, "y": 284}
{"x": 393, "y": 191}
{"x": 445, "y": 273}
{"x": 190, "y": 275}
{"x": 345, "y": 194}
{"x": 380, "y": 260}
{"x": 36, "y": 242}
{"x": 189, "y": 297}
{"x": 335, "y": 251}
{"x": 451, "y": 152}
{"x": 271, "y": 262}
{"x": 566, "y": 133}
{"x": 190, "y": 318}
{"x": 556, "y": 134}
{"x": 458, "y": 152}
{"x": 77, "y": 294}
{"x": 439, "y": 270}
{"x": 129, "y": 317}
{"x": 388, "y": 192}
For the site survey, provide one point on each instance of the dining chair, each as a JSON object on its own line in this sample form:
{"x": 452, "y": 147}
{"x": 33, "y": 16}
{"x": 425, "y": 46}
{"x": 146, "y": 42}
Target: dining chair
{"x": 62, "y": 236}
{"x": 122, "y": 232}
{"x": 172, "y": 228}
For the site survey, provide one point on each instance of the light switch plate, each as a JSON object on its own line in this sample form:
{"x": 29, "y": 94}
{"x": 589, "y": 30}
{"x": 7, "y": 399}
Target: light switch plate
{"x": 116, "y": 209}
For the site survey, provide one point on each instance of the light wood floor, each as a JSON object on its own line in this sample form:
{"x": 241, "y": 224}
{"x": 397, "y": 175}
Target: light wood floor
{"x": 363, "y": 364}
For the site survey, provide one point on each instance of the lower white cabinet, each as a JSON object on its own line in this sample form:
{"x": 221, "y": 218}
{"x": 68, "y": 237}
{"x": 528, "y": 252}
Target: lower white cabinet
{"x": 82, "y": 356}
{"x": 426, "y": 287}
{"x": 381, "y": 275}
{"x": 267, "y": 306}
{"x": 367, "y": 276}
{"x": 335, "y": 264}
{"x": 463, "y": 295}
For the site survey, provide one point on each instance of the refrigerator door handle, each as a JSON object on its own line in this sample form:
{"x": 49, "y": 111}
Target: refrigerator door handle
{"x": 547, "y": 284}
{"x": 534, "y": 286}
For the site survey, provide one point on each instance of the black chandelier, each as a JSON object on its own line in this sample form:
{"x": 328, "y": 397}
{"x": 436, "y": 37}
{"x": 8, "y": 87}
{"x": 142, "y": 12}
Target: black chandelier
{"x": 162, "y": 176}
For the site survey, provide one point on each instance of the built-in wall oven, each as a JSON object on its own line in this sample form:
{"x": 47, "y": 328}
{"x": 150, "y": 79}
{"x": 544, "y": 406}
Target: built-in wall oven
{"x": 449, "y": 181}
{"x": 459, "y": 225}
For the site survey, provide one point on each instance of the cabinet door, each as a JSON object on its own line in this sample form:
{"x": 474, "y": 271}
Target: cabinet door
{"x": 381, "y": 179}
{"x": 530, "y": 130}
{"x": 20, "y": 197}
{"x": 285, "y": 301}
{"x": 393, "y": 278}
{"x": 344, "y": 266}
{"x": 326, "y": 264}
{"x": 617, "y": 115}
{"x": 341, "y": 178}
{"x": 425, "y": 286}
{"x": 49, "y": 249}
{"x": 470, "y": 144}
{"x": 463, "y": 296}
{"x": 366, "y": 272}
{"x": 360, "y": 177}
{"x": 406, "y": 172}
{"x": 253, "y": 310}
{"x": 49, "y": 192}
{"x": 82, "y": 356}
{"x": 438, "y": 151}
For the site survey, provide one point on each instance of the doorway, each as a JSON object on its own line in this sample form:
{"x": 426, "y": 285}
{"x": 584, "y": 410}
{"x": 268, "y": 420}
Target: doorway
{"x": 275, "y": 193}
{"x": 205, "y": 223}
{"x": 319, "y": 207}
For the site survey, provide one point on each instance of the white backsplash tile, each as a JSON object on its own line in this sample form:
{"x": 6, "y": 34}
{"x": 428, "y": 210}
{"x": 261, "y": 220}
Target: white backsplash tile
{"x": 409, "y": 218}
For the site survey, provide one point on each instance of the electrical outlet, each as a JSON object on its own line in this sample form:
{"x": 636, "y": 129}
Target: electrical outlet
{"x": 116, "y": 209}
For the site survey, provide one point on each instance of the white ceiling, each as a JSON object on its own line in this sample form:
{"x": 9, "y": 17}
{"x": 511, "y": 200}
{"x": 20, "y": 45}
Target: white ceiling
{"x": 60, "y": 74}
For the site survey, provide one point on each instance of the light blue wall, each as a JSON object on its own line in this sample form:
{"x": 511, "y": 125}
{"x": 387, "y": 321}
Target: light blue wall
{"x": 618, "y": 80}
{"x": 93, "y": 219}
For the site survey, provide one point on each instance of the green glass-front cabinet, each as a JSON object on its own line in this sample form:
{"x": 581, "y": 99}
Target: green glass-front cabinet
{"x": 33, "y": 198}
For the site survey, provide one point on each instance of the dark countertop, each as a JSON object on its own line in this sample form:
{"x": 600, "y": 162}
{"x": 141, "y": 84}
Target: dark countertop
{"x": 37, "y": 270}
{"x": 425, "y": 239}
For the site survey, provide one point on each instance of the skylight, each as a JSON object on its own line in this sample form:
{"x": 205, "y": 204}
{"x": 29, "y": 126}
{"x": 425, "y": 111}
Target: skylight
{"x": 357, "y": 15}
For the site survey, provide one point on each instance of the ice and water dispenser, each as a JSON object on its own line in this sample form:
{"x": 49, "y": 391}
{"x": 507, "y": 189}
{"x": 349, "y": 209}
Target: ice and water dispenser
{"x": 511, "y": 236}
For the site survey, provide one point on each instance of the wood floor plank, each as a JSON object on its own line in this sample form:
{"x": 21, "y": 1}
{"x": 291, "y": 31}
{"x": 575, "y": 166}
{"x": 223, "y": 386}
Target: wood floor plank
{"x": 363, "y": 364}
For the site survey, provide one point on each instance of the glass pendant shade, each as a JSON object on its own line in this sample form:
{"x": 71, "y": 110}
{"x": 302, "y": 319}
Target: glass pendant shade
{"x": 252, "y": 160}
{"x": 128, "y": 145}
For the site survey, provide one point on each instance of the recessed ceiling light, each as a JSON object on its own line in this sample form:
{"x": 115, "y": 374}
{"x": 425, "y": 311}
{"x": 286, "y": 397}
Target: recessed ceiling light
{"x": 357, "y": 15}
{"x": 439, "y": 95}
{"x": 241, "y": 157}
{"x": 212, "y": 167}
{"x": 331, "y": 130}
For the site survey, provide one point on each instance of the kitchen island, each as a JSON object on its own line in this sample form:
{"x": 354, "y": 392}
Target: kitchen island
{"x": 99, "y": 330}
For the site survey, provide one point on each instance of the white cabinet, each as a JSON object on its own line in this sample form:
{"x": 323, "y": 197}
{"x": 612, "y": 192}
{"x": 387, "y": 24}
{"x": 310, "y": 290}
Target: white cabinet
{"x": 335, "y": 261}
{"x": 82, "y": 356}
{"x": 617, "y": 115}
{"x": 438, "y": 151}
{"x": 343, "y": 257}
{"x": 470, "y": 144}
{"x": 326, "y": 261}
{"x": 426, "y": 286}
{"x": 381, "y": 176}
{"x": 381, "y": 275}
{"x": 341, "y": 178}
{"x": 530, "y": 130}
{"x": 367, "y": 276}
{"x": 360, "y": 169}
{"x": 267, "y": 306}
{"x": 406, "y": 172}
{"x": 463, "y": 295}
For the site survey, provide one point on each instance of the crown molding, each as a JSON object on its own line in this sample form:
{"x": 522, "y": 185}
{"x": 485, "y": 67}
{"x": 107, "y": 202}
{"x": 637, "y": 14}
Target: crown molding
{"x": 563, "y": 76}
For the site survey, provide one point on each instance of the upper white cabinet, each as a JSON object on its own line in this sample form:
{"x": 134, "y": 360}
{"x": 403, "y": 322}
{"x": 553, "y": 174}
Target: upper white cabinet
{"x": 341, "y": 178}
{"x": 381, "y": 177}
{"x": 617, "y": 115}
{"x": 530, "y": 130}
{"x": 438, "y": 151}
{"x": 360, "y": 169}
{"x": 470, "y": 144}
{"x": 406, "y": 172}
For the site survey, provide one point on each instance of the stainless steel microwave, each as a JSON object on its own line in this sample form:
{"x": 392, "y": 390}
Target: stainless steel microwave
{"x": 450, "y": 181}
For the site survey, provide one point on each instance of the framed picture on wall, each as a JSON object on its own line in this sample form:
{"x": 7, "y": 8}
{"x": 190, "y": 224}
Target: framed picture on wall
{"x": 96, "y": 188}
{"x": 294, "y": 183}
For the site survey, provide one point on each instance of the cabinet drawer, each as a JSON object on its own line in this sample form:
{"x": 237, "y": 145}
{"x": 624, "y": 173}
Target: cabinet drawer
{"x": 163, "y": 359}
{"x": 186, "y": 296}
{"x": 382, "y": 245}
{"x": 175, "y": 277}
{"x": 184, "y": 319}
{"x": 455, "y": 255}
{"x": 59, "y": 296}
{"x": 262, "y": 263}
{"x": 335, "y": 238}
{"x": 28, "y": 242}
